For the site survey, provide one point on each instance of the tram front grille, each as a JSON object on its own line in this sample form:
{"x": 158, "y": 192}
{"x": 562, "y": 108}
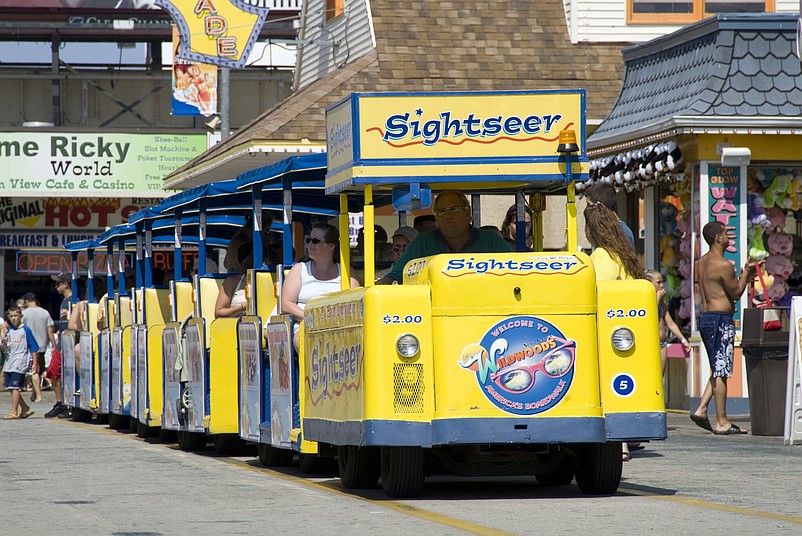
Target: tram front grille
{"x": 408, "y": 388}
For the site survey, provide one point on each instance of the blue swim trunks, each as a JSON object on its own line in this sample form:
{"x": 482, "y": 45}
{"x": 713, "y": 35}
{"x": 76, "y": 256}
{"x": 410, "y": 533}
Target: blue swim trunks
{"x": 718, "y": 335}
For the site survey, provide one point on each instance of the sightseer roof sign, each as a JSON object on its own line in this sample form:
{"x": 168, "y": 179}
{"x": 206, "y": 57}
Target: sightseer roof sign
{"x": 63, "y": 164}
{"x": 457, "y": 137}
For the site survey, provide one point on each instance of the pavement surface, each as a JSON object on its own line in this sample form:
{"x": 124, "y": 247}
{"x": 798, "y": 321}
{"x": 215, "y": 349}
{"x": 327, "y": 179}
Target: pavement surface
{"x": 64, "y": 478}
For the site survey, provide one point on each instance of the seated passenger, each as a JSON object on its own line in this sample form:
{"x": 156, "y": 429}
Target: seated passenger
{"x": 454, "y": 234}
{"x": 245, "y": 236}
{"x": 231, "y": 300}
{"x": 509, "y": 227}
{"x": 319, "y": 275}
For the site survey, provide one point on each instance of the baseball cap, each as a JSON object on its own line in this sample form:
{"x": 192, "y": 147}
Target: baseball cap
{"x": 406, "y": 231}
{"x": 29, "y": 296}
{"x": 63, "y": 277}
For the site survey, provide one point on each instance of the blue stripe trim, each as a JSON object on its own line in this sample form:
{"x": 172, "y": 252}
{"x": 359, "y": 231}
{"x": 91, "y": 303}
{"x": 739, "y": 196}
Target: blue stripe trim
{"x": 368, "y": 433}
{"x": 518, "y": 430}
{"x": 637, "y": 426}
{"x": 375, "y": 162}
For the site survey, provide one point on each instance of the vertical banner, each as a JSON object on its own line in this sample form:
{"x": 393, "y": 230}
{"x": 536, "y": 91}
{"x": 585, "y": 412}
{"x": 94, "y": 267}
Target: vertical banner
{"x": 194, "y": 84}
{"x": 724, "y": 200}
{"x": 250, "y": 380}
{"x": 279, "y": 342}
{"x": 793, "y": 393}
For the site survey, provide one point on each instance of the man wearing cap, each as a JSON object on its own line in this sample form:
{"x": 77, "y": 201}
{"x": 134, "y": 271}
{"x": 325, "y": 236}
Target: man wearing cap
{"x": 454, "y": 234}
{"x": 41, "y": 325}
{"x": 63, "y": 287}
{"x": 402, "y": 237}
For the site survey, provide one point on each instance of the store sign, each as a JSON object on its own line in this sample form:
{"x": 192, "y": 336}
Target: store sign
{"x": 18, "y": 240}
{"x": 56, "y": 262}
{"x": 24, "y": 213}
{"x": 38, "y": 164}
{"x": 220, "y": 32}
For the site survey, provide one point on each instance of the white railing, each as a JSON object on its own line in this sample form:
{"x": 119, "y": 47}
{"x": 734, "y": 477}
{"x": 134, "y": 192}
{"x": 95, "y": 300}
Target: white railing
{"x": 284, "y": 5}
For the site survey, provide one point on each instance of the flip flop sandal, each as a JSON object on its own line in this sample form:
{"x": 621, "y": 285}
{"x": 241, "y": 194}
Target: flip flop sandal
{"x": 10, "y": 417}
{"x": 27, "y": 414}
{"x": 732, "y": 430}
{"x": 702, "y": 422}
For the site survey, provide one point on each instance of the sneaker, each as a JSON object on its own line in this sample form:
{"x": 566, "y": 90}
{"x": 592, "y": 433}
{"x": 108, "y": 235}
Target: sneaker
{"x": 66, "y": 413}
{"x": 57, "y": 409}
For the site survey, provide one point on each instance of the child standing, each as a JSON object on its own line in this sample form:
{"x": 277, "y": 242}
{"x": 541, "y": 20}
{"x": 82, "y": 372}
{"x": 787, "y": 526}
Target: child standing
{"x": 20, "y": 345}
{"x": 664, "y": 319}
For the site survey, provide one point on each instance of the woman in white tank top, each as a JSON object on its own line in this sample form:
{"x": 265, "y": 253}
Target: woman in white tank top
{"x": 319, "y": 275}
{"x": 231, "y": 300}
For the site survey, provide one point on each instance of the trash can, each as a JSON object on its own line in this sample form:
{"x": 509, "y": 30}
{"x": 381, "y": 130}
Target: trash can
{"x": 766, "y": 355}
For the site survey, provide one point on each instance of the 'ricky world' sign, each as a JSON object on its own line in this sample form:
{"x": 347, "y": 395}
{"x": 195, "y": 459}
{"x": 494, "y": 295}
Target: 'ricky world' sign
{"x": 506, "y": 136}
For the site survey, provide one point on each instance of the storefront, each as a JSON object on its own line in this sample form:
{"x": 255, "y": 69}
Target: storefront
{"x": 707, "y": 128}
{"x": 59, "y": 187}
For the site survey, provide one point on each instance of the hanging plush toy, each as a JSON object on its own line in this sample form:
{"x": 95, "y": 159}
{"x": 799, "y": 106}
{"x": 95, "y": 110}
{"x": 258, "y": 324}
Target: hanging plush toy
{"x": 776, "y": 217}
{"x": 780, "y": 244}
{"x": 668, "y": 218}
{"x": 779, "y": 266}
{"x": 757, "y": 249}
{"x": 755, "y": 212}
{"x": 777, "y": 191}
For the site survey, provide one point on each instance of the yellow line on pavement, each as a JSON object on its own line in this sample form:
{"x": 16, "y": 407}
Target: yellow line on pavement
{"x": 407, "y": 509}
{"x": 712, "y": 506}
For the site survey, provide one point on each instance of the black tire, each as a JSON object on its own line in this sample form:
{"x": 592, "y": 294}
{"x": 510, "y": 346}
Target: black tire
{"x": 228, "y": 444}
{"x": 81, "y": 415}
{"x": 118, "y": 422}
{"x": 270, "y": 456}
{"x": 360, "y": 467}
{"x": 599, "y": 468}
{"x": 133, "y": 423}
{"x": 167, "y": 436}
{"x": 561, "y": 475}
{"x": 312, "y": 464}
{"x": 102, "y": 418}
{"x": 191, "y": 441}
{"x": 144, "y": 431}
{"x": 402, "y": 471}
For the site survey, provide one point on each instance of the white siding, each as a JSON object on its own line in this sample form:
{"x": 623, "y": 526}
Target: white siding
{"x": 325, "y": 47}
{"x": 605, "y": 21}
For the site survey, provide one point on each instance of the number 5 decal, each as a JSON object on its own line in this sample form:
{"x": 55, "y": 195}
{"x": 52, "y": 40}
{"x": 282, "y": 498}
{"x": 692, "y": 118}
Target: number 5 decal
{"x": 623, "y": 385}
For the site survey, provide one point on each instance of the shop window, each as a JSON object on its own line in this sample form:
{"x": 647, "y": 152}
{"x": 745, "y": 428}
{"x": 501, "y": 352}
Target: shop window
{"x": 687, "y": 11}
{"x": 334, "y": 8}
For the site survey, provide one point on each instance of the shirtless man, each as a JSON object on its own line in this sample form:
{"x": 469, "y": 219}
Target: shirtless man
{"x": 719, "y": 289}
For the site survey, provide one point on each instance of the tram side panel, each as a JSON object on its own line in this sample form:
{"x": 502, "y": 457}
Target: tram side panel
{"x": 630, "y": 381}
{"x": 357, "y": 388}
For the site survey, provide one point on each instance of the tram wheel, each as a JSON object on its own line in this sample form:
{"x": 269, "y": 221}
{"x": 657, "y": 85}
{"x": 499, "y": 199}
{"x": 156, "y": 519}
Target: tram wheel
{"x": 599, "y": 468}
{"x": 270, "y": 456}
{"x": 360, "y": 467}
{"x": 402, "y": 471}
{"x": 143, "y": 430}
{"x": 118, "y": 422}
{"x": 81, "y": 415}
{"x": 561, "y": 475}
{"x": 227, "y": 444}
{"x": 102, "y": 418}
{"x": 312, "y": 464}
{"x": 189, "y": 441}
{"x": 167, "y": 436}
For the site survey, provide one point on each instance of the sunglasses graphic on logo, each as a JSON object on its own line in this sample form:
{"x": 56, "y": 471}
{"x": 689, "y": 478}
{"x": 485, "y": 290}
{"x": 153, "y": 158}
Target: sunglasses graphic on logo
{"x": 556, "y": 363}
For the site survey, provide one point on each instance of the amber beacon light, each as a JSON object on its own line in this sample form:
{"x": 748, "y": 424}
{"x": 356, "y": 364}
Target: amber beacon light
{"x": 567, "y": 142}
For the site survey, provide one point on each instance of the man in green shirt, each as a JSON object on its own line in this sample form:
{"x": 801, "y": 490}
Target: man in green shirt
{"x": 454, "y": 234}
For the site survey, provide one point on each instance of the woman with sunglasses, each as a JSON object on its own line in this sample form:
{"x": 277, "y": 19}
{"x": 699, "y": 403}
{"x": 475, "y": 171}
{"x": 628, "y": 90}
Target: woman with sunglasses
{"x": 319, "y": 275}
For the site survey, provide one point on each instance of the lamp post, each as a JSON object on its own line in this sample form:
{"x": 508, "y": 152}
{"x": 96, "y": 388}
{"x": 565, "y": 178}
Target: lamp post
{"x": 567, "y": 145}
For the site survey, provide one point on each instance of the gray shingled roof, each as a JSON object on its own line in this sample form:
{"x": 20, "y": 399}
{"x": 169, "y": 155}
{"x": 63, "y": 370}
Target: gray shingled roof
{"x": 725, "y": 70}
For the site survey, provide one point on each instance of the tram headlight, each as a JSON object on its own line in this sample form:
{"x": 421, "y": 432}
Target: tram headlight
{"x": 407, "y": 345}
{"x": 623, "y": 339}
